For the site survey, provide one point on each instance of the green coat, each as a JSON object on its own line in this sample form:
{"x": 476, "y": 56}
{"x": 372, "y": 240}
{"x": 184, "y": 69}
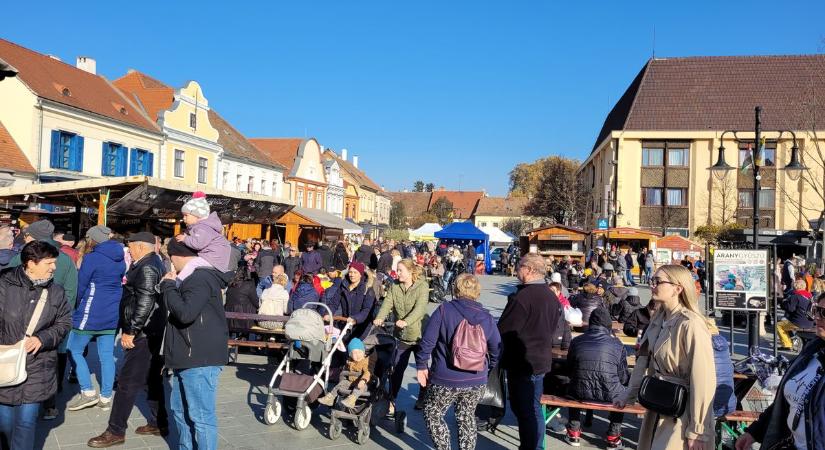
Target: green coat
{"x": 408, "y": 305}
{"x": 65, "y": 273}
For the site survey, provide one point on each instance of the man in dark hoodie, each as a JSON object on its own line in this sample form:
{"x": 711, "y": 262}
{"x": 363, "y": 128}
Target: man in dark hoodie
{"x": 639, "y": 320}
{"x": 366, "y": 254}
{"x": 194, "y": 344}
{"x": 292, "y": 263}
{"x": 265, "y": 260}
{"x": 326, "y": 255}
{"x": 625, "y": 308}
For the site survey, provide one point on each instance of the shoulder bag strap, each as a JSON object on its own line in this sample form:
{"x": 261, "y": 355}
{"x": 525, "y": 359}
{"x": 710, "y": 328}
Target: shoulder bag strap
{"x": 38, "y": 311}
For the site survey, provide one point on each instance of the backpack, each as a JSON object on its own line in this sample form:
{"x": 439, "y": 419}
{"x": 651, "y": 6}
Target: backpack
{"x": 468, "y": 350}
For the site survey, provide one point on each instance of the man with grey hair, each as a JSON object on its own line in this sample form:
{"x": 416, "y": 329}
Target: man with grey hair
{"x": 527, "y": 346}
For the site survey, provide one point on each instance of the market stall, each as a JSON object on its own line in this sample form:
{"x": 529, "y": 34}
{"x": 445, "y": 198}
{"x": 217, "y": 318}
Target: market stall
{"x": 672, "y": 249}
{"x": 555, "y": 242}
{"x": 463, "y": 233}
{"x": 496, "y": 236}
{"x": 425, "y": 232}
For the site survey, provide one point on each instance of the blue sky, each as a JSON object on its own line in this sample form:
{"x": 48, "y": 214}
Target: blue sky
{"x": 444, "y": 91}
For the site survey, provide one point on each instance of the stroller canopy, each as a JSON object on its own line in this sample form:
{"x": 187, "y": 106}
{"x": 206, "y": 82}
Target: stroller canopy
{"x": 463, "y": 233}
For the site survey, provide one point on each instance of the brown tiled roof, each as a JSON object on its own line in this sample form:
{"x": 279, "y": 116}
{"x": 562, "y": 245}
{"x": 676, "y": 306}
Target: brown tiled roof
{"x": 464, "y": 202}
{"x": 720, "y": 93}
{"x": 279, "y": 150}
{"x": 356, "y": 173}
{"x": 501, "y": 206}
{"x": 415, "y": 203}
{"x": 63, "y": 83}
{"x": 11, "y": 156}
{"x": 151, "y": 94}
{"x": 236, "y": 145}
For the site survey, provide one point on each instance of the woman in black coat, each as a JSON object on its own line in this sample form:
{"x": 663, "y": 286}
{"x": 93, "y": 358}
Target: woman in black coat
{"x": 340, "y": 258}
{"x": 21, "y": 290}
{"x": 241, "y": 297}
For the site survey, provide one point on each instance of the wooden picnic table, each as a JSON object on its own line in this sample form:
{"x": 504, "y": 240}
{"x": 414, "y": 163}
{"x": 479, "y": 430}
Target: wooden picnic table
{"x": 626, "y": 340}
{"x": 561, "y": 355}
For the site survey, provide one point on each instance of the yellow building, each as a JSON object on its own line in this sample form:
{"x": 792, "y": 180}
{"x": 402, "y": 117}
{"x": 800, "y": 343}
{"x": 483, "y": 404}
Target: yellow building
{"x": 651, "y": 158}
{"x": 372, "y": 205}
{"x": 495, "y": 211}
{"x": 190, "y": 149}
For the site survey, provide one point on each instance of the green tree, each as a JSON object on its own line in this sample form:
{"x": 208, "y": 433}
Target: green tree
{"x": 560, "y": 194}
{"x": 443, "y": 210}
{"x": 398, "y": 215}
{"x": 429, "y": 187}
{"x": 418, "y": 186}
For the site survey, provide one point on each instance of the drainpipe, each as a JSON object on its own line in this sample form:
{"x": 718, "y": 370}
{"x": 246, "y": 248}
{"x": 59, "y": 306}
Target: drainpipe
{"x": 40, "y": 142}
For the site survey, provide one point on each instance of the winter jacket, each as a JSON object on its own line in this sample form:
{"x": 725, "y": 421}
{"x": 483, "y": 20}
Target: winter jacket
{"x": 366, "y": 256}
{"x": 235, "y": 257}
{"x": 385, "y": 263}
{"x": 65, "y": 273}
{"x": 628, "y": 260}
{"x": 326, "y": 256}
{"x": 621, "y": 263}
{"x": 796, "y": 308}
{"x": 724, "y": 400}
{"x": 340, "y": 258}
{"x": 562, "y": 334}
{"x": 771, "y": 429}
{"x": 637, "y": 322}
{"x": 141, "y": 308}
{"x": 291, "y": 265}
{"x": 18, "y": 298}
{"x": 206, "y": 237}
{"x": 597, "y": 363}
{"x": 530, "y": 312}
{"x": 617, "y": 294}
{"x": 100, "y": 288}
{"x": 586, "y": 304}
{"x": 6, "y": 256}
{"x": 438, "y": 337}
{"x": 409, "y": 305}
{"x": 355, "y": 303}
{"x": 274, "y": 301}
{"x": 241, "y": 298}
{"x": 304, "y": 293}
{"x": 196, "y": 333}
{"x": 622, "y": 310}
{"x": 311, "y": 262}
{"x": 649, "y": 261}
{"x": 264, "y": 262}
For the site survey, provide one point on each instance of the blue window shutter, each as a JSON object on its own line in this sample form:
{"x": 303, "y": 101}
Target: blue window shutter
{"x": 149, "y": 164}
{"x": 133, "y": 168}
{"x": 120, "y": 164}
{"x": 56, "y": 156}
{"x": 77, "y": 153}
{"x": 104, "y": 159}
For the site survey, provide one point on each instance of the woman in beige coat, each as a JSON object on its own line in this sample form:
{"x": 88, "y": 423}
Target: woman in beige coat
{"x": 680, "y": 342}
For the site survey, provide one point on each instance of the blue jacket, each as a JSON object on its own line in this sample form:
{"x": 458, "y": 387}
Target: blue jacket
{"x": 438, "y": 337}
{"x": 99, "y": 288}
{"x": 266, "y": 283}
{"x": 303, "y": 294}
{"x": 796, "y": 308}
{"x": 724, "y": 401}
{"x": 597, "y": 362}
{"x": 311, "y": 262}
{"x": 356, "y": 303}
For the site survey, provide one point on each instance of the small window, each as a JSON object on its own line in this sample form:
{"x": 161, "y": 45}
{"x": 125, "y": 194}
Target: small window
{"x": 495, "y": 224}
{"x": 318, "y": 199}
{"x": 193, "y": 121}
{"x": 66, "y": 151}
{"x": 263, "y": 187}
{"x": 141, "y": 162}
{"x": 677, "y": 157}
{"x": 767, "y": 198}
{"x": 250, "y": 185}
{"x": 179, "y": 163}
{"x": 310, "y": 198}
{"x": 768, "y": 156}
{"x": 653, "y": 156}
{"x": 113, "y": 160}
{"x": 274, "y": 188}
{"x": 483, "y": 224}
{"x": 225, "y": 182}
{"x": 676, "y": 197}
{"x": 239, "y": 184}
{"x": 202, "y": 166}
{"x": 652, "y": 196}
{"x": 299, "y": 197}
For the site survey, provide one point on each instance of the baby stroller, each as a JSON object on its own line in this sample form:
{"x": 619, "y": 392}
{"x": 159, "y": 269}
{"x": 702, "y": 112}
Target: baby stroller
{"x": 381, "y": 347}
{"x": 304, "y": 371}
{"x": 437, "y": 290}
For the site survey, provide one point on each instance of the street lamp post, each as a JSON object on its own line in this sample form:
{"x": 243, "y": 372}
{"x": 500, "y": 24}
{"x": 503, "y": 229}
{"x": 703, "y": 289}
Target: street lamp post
{"x": 793, "y": 169}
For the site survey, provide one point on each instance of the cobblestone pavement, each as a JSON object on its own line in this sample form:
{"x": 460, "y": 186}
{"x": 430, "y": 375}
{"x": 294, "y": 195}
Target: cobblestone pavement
{"x": 240, "y": 407}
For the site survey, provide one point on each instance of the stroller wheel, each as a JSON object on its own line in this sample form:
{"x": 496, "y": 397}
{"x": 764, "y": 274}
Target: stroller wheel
{"x": 366, "y": 416}
{"x": 363, "y": 434}
{"x": 302, "y": 417}
{"x": 272, "y": 412}
{"x": 335, "y": 428}
{"x": 400, "y": 421}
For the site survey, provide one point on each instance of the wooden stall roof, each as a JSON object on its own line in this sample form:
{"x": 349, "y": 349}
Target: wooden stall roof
{"x": 627, "y": 233}
{"x": 557, "y": 230}
{"x": 679, "y": 243}
{"x": 293, "y": 218}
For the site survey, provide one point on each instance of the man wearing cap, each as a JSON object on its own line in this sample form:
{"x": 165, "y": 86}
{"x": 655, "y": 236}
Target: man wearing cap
{"x": 195, "y": 343}
{"x": 311, "y": 260}
{"x": 67, "y": 241}
{"x": 142, "y": 319}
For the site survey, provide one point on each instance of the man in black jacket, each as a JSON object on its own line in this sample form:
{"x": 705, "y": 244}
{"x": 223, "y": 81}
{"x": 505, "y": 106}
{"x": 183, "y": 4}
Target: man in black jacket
{"x": 195, "y": 343}
{"x": 326, "y": 255}
{"x": 142, "y": 320}
{"x": 366, "y": 254}
{"x": 639, "y": 320}
{"x": 527, "y": 347}
{"x": 597, "y": 364}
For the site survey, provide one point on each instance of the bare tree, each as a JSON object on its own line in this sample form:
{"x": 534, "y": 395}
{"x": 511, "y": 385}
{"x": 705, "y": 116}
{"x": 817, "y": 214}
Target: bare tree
{"x": 724, "y": 200}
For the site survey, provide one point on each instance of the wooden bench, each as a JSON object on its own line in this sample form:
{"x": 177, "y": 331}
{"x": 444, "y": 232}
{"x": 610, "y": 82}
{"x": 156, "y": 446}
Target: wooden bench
{"x": 561, "y": 355}
{"x": 739, "y": 418}
{"x": 557, "y": 403}
{"x": 235, "y": 344}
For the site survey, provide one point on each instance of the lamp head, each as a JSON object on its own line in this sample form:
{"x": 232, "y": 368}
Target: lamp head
{"x": 794, "y": 168}
{"x": 721, "y": 168}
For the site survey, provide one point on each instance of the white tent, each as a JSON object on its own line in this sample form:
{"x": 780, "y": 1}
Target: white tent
{"x": 496, "y": 235}
{"x": 425, "y": 232}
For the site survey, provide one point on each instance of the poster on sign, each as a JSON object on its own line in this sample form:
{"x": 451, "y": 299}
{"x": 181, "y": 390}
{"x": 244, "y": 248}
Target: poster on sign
{"x": 740, "y": 280}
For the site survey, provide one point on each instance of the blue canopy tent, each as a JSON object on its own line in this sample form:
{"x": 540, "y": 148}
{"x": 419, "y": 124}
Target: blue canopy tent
{"x": 462, "y": 233}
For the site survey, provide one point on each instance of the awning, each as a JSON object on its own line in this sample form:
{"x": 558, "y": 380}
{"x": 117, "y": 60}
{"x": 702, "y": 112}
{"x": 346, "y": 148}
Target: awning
{"x": 147, "y": 198}
{"x": 327, "y": 220}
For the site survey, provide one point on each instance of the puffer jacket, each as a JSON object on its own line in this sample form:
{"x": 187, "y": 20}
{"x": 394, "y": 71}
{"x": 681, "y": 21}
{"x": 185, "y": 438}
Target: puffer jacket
{"x": 18, "y": 298}
{"x": 141, "y": 310}
{"x": 356, "y": 303}
{"x": 100, "y": 288}
{"x": 625, "y": 308}
{"x": 196, "y": 333}
{"x": 586, "y": 304}
{"x": 304, "y": 293}
{"x": 597, "y": 363}
{"x": 264, "y": 262}
{"x": 326, "y": 256}
{"x": 409, "y": 305}
{"x": 724, "y": 401}
{"x": 291, "y": 265}
{"x": 206, "y": 236}
{"x": 796, "y": 308}
{"x": 616, "y": 294}
{"x": 637, "y": 322}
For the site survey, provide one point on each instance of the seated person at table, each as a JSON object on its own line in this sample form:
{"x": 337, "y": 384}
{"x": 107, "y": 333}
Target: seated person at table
{"x": 796, "y": 307}
{"x": 625, "y": 307}
{"x": 274, "y": 300}
{"x": 597, "y": 364}
{"x": 356, "y": 380}
{"x": 639, "y": 320}
{"x": 587, "y": 301}
{"x": 562, "y": 335}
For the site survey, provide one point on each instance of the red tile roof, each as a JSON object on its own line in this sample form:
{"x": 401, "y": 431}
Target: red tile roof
{"x": 464, "y": 202}
{"x": 720, "y": 93}
{"x": 279, "y": 150}
{"x": 415, "y": 203}
{"x": 501, "y": 206}
{"x": 154, "y": 96}
{"x": 11, "y": 156}
{"x": 63, "y": 83}
{"x": 236, "y": 145}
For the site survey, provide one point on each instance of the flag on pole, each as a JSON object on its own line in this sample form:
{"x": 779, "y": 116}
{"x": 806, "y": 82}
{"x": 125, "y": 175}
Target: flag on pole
{"x": 760, "y": 156}
{"x": 748, "y": 161}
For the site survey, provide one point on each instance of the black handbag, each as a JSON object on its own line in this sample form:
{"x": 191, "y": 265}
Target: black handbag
{"x": 494, "y": 394}
{"x": 662, "y": 396}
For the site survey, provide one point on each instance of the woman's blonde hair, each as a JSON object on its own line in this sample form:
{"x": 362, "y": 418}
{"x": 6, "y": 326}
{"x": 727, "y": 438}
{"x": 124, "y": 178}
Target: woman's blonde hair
{"x": 681, "y": 276}
{"x": 415, "y": 269}
{"x": 467, "y": 286}
{"x": 281, "y": 279}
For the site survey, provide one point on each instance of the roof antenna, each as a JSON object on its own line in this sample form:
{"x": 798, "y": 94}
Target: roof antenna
{"x": 654, "y": 41}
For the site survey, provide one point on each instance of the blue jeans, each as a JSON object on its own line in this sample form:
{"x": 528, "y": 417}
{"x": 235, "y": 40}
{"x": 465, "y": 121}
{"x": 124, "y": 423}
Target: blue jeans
{"x": 105, "y": 353}
{"x": 648, "y": 274}
{"x": 192, "y": 403}
{"x": 525, "y": 401}
{"x": 18, "y": 424}
{"x": 629, "y": 278}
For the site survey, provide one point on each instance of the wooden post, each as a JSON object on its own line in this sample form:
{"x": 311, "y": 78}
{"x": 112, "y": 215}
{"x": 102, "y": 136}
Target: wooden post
{"x": 101, "y": 206}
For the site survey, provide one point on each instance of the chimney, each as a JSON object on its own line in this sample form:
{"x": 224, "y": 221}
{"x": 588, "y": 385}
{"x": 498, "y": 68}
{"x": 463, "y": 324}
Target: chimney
{"x": 355, "y": 161}
{"x": 87, "y": 64}
{"x": 344, "y": 154}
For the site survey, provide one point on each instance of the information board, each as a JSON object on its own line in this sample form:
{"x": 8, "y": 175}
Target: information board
{"x": 740, "y": 280}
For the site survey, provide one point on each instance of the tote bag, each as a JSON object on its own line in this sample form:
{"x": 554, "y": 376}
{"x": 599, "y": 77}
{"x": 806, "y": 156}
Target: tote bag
{"x": 13, "y": 357}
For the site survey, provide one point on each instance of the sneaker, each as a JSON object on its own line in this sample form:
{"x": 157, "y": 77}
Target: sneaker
{"x": 573, "y": 438}
{"x": 50, "y": 414}
{"x": 614, "y": 441}
{"x": 82, "y": 400}
{"x": 104, "y": 403}
{"x": 327, "y": 400}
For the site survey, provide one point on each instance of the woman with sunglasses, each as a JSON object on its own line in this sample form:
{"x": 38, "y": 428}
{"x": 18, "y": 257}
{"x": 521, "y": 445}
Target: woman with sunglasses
{"x": 795, "y": 419}
{"x": 676, "y": 347}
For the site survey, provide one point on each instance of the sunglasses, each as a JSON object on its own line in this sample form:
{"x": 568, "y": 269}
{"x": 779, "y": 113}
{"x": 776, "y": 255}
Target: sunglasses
{"x": 817, "y": 312}
{"x": 655, "y": 281}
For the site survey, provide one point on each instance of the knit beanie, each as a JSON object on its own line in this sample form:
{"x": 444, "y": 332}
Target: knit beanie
{"x": 197, "y": 205}
{"x": 99, "y": 233}
{"x": 359, "y": 266}
{"x": 355, "y": 344}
